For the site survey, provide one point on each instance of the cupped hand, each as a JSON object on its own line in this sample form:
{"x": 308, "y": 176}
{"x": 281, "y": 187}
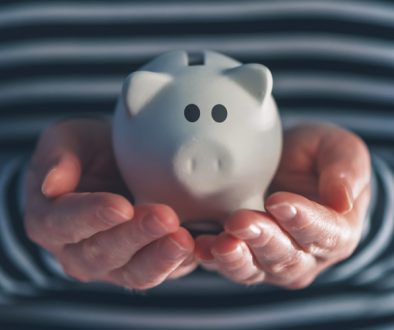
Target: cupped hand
{"x": 77, "y": 208}
{"x": 313, "y": 219}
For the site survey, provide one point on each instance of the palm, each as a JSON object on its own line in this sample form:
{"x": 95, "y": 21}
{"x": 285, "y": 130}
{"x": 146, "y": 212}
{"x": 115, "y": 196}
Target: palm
{"x": 298, "y": 168}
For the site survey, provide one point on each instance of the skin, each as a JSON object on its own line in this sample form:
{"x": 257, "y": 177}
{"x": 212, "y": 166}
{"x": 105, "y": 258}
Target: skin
{"x": 314, "y": 216}
{"x": 79, "y": 209}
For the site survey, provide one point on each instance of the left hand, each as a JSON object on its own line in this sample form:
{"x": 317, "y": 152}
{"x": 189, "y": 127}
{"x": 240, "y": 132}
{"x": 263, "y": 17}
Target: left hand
{"x": 313, "y": 220}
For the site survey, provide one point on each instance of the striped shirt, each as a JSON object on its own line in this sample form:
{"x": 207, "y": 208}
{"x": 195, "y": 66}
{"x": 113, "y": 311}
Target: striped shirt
{"x": 331, "y": 61}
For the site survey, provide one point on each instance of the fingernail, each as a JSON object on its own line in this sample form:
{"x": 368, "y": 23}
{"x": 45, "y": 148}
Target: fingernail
{"x": 282, "y": 211}
{"x": 173, "y": 249}
{"x": 348, "y": 196}
{"x": 340, "y": 196}
{"x": 233, "y": 255}
{"x": 251, "y": 232}
{"x": 110, "y": 215}
{"x": 48, "y": 185}
{"x": 152, "y": 225}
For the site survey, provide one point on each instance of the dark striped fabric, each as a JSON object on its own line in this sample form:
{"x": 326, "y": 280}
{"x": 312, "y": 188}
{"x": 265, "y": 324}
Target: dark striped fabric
{"x": 331, "y": 61}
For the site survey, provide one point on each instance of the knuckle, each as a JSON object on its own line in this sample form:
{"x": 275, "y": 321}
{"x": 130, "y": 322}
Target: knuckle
{"x": 286, "y": 265}
{"x": 303, "y": 224}
{"x": 324, "y": 247}
{"x": 267, "y": 238}
{"x": 330, "y": 241}
{"x": 93, "y": 253}
{"x": 341, "y": 244}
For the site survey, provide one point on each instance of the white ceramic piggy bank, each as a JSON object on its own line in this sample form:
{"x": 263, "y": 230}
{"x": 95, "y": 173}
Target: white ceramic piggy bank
{"x": 198, "y": 132}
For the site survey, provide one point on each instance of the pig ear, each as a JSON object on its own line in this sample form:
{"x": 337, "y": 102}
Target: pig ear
{"x": 141, "y": 87}
{"x": 219, "y": 60}
{"x": 256, "y": 79}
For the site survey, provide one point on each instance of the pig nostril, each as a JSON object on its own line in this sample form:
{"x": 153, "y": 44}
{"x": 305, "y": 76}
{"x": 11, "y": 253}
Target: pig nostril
{"x": 191, "y": 165}
{"x": 203, "y": 163}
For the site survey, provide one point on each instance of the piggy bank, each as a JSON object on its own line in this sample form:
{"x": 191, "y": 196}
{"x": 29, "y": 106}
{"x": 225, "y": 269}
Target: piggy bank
{"x": 199, "y": 132}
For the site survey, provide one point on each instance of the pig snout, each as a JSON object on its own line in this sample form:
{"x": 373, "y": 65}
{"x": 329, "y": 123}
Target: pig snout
{"x": 203, "y": 166}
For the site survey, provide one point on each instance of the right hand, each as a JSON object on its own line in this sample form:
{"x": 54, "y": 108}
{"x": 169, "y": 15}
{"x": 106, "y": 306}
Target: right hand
{"x": 77, "y": 209}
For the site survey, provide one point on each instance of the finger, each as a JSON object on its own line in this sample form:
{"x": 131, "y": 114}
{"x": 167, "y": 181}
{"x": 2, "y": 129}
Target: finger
{"x": 57, "y": 162}
{"x": 317, "y": 229}
{"x": 77, "y": 216}
{"x": 324, "y": 163}
{"x": 64, "y": 150}
{"x": 111, "y": 249}
{"x": 234, "y": 259}
{"x": 343, "y": 167}
{"x": 273, "y": 249}
{"x": 154, "y": 263}
{"x": 63, "y": 177}
{"x": 187, "y": 266}
{"x": 202, "y": 251}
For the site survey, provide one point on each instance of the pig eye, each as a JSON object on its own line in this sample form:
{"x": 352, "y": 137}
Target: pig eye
{"x": 219, "y": 113}
{"x": 192, "y": 112}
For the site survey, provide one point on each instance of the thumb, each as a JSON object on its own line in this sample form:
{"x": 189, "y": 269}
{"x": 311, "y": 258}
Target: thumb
{"x": 343, "y": 169}
{"x": 57, "y": 163}
{"x": 63, "y": 177}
